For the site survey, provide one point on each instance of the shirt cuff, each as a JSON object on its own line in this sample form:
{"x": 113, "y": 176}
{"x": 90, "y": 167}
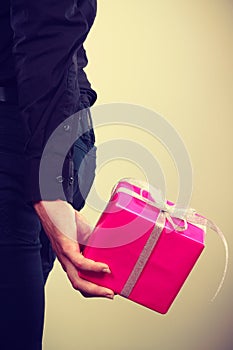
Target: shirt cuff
{"x": 45, "y": 181}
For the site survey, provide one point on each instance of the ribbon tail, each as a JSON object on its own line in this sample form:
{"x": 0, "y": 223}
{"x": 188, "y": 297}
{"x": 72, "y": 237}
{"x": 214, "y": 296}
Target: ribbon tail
{"x": 215, "y": 228}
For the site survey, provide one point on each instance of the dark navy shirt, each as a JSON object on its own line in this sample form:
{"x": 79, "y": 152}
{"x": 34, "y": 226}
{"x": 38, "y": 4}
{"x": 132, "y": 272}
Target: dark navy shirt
{"x": 41, "y": 50}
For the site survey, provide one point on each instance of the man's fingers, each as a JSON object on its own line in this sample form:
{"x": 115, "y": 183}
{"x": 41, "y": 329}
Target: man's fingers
{"x": 85, "y": 264}
{"x": 71, "y": 251}
{"x": 85, "y": 287}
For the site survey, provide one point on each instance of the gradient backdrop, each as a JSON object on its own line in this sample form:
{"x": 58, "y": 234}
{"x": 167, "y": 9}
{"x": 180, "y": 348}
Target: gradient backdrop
{"x": 175, "y": 57}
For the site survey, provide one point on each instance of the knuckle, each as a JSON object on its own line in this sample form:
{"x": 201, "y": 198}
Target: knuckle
{"x": 80, "y": 261}
{"x": 92, "y": 290}
{"x": 74, "y": 280}
{"x": 75, "y": 285}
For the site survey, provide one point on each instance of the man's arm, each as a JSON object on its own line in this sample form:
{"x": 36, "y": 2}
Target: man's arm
{"x": 47, "y": 36}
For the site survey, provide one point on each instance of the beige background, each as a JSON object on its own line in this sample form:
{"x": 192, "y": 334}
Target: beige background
{"x": 175, "y": 57}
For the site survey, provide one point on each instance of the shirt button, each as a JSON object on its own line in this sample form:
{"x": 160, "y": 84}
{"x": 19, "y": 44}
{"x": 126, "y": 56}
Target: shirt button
{"x": 60, "y": 178}
{"x": 66, "y": 127}
{"x": 71, "y": 180}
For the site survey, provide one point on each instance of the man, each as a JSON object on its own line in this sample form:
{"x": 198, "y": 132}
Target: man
{"x": 42, "y": 83}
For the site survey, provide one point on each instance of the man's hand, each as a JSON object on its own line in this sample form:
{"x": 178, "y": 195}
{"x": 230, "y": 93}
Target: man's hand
{"x": 64, "y": 225}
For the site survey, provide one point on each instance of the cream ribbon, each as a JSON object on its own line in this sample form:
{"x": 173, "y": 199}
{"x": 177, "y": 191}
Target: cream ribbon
{"x": 168, "y": 212}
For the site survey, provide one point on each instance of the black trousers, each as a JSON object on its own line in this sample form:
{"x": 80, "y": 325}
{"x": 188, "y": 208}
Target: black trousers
{"x": 26, "y": 256}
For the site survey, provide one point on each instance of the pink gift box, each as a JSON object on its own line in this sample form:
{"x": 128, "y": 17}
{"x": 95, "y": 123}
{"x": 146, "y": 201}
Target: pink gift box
{"x": 148, "y": 256}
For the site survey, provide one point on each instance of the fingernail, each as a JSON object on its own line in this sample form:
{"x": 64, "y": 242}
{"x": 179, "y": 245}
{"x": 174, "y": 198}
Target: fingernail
{"x": 106, "y": 270}
{"x": 110, "y": 296}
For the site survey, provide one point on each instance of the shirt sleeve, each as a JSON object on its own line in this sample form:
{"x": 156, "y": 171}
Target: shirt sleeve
{"x": 48, "y": 35}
